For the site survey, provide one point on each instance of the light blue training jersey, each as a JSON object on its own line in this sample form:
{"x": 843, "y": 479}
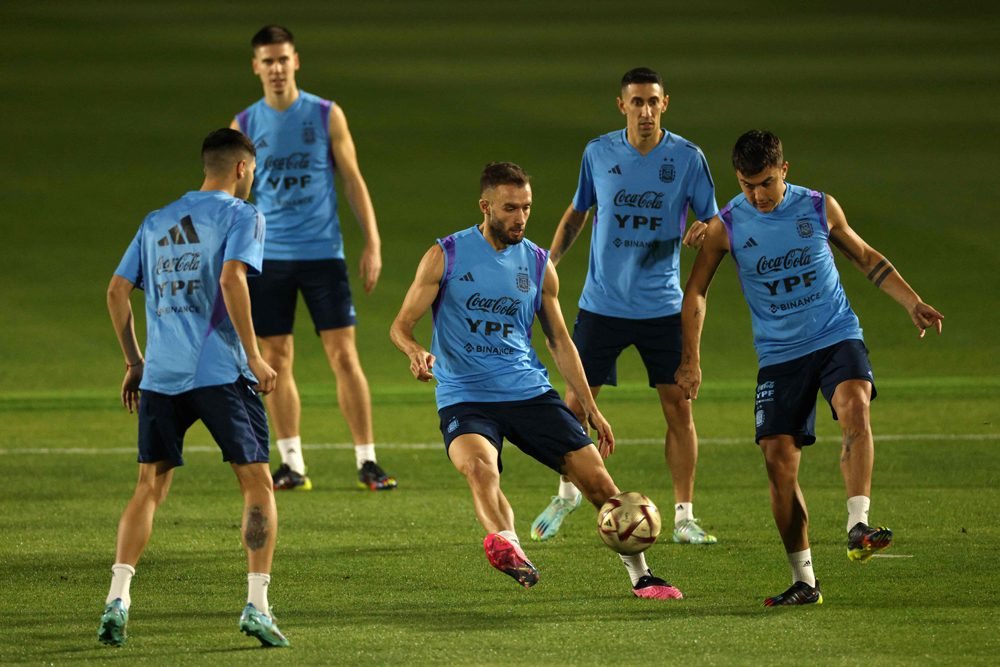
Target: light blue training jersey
{"x": 642, "y": 207}
{"x": 788, "y": 276}
{"x": 177, "y": 257}
{"x": 482, "y": 321}
{"x": 294, "y": 185}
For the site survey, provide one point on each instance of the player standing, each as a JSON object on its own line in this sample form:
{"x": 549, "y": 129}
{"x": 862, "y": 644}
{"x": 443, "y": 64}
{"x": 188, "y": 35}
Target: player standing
{"x": 301, "y": 139}
{"x": 807, "y": 339}
{"x": 486, "y": 284}
{"x": 192, "y": 257}
{"x": 643, "y": 180}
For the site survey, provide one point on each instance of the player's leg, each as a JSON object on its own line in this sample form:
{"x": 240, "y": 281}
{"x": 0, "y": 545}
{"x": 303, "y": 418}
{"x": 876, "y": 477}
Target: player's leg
{"x": 849, "y": 387}
{"x": 478, "y": 460}
{"x": 273, "y": 297}
{"x": 585, "y": 468}
{"x": 285, "y": 409}
{"x": 163, "y": 420}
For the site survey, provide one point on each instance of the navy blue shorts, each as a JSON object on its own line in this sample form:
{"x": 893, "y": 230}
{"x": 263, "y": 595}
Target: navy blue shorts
{"x": 324, "y": 285}
{"x": 786, "y": 392}
{"x": 600, "y": 339}
{"x": 232, "y": 413}
{"x": 542, "y": 427}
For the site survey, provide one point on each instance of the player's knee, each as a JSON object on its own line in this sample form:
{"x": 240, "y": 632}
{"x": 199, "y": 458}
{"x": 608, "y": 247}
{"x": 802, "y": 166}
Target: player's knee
{"x": 480, "y": 471}
{"x": 152, "y": 491}
{"x": 278, "y": 356}
{"x": 781, "y": 467}
{"x": 853, "y": 413}
{"x": 343, "y": 360}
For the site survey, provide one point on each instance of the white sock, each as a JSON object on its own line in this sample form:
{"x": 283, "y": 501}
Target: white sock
{"x": 568, "y": 491}
{"x": 857, "y": 511}
{"x": 802, "y": 567}
{"x": 291, "y": 454}
{"x": 121, "y": 579}
{"x": 636, "y": 566}
{"x": 364, "y": 453}
{"x": 511, "y": 537}
{"x": 257, "y": 591}
{"x": 683, "y": 512}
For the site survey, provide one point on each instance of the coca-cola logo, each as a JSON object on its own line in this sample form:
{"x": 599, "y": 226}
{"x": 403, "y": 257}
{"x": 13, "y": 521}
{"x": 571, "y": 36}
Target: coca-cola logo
{"x": 293, "y": 161}
{"x": 189, "y": 261}
{"x": 647, "y": 199}
{"x": 502, "y": 306}
{"x": 793, "y": 258}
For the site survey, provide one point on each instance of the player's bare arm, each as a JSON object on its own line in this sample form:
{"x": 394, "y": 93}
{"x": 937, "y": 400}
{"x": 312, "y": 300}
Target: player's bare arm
{"x": 569, "y": 228}
{"x": 567, "y": 359}
{"x": 714, "y": 249}
{"x": 877, "y": 268}
{"x": 346, "y": 160}
{"x": 237, "y": 297}
{"x": 419, "y": 299}
{"x": 120, "y": 308}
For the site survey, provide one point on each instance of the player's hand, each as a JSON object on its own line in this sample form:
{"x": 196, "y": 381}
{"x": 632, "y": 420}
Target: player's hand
{"x": 605, "y": 438}
{"x": 421, "y": 365}
{"x": 266, "y": 376}
{"x": 925, "y": 317}
{"x": 694, "y": 237}
{"x": 130, "y": 387}
{"x": 688, "y": 378}
{"x": 371, "y": 266}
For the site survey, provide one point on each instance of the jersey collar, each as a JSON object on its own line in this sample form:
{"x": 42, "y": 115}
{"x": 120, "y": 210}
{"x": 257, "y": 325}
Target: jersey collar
{"x": 636, "y": 153}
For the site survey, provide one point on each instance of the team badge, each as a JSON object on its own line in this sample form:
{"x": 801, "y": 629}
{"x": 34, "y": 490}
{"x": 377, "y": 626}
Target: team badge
{"x": 667, "y": 172}
{"x": 805, "y": 228}
{"x": 309, "y": 134}
{"x": 523, "y": 283}
{"x": 760, "y": 418}
{"x": 452, "y": 425}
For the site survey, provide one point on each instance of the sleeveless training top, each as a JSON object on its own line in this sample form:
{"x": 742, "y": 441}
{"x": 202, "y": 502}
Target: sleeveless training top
{"x": 482, "y": 321}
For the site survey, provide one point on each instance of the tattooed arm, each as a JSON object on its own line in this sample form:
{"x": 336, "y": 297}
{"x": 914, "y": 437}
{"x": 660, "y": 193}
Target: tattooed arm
{"x": 569, "y": 228}
{"x": 121, "y": 317}
{"x": 715, "y": 247}
{"x": 878, "y": 269}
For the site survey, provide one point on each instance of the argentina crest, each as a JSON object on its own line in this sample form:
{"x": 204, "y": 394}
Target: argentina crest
{"x": 308, "y": 134}
{"x": 523, "y": 283}
{"x": 667, "y": 172}
{"x": 804, "y": 227}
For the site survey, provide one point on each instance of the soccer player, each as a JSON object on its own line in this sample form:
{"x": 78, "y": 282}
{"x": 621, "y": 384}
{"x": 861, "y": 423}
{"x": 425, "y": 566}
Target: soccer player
{"x": 192, "y": 258}
{"x": 807, "y": 339}
{"x": 643, "y": 179}
{"x": 486, "y": 284}
{"x": 301, "y": 140}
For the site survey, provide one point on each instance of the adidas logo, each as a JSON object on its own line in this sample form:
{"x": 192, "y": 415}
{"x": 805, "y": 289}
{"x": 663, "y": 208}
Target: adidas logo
{"x": 262, "y": 144}
{"x": 751, "y": 243}
{"x": 615, "y": 170}
{"x": 468, "y": 278}
{"x": 177, "y": 233}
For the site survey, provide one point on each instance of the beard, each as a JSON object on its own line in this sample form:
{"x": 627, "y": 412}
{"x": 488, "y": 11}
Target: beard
{"x": 499, "y": 231}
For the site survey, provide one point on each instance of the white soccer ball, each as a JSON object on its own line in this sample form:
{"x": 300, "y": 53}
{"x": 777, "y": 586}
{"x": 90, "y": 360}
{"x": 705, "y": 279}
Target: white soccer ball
{"x": 628, "y": 523}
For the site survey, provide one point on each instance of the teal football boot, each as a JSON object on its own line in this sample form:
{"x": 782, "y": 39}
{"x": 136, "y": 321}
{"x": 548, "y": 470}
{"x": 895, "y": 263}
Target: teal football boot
{"x": 689, "y": 532}
{"x": 253, "y": 623}
{"x": 113, "y": 622}
{"x": 548, "y": 522}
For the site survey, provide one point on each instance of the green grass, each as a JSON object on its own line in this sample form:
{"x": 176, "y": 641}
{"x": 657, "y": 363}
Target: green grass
{"x": 893, "y": 110}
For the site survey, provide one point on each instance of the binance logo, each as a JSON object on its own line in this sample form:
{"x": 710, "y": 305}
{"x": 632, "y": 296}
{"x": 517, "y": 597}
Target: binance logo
{"x": 181, "y": 234}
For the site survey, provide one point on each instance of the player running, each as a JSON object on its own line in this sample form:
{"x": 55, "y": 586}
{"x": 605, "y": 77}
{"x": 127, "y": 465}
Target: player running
{"x": 643, "y": 180}
{"x": 192, "y": 257}
{"x": 301, "y": 140}
{"x": 807, "y": 339}
{"x": 486, "y": 284}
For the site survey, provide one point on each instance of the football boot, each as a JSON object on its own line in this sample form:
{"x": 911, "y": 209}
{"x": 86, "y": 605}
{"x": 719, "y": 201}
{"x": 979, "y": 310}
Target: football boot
{"x": 547, "y": 524}
{"x": 799, "y": 593}
{"x": 254, "y": 623}
{"x": 505, "y": 557}
{"x": 863, "y": 541}
{"x": 371, "y": 476}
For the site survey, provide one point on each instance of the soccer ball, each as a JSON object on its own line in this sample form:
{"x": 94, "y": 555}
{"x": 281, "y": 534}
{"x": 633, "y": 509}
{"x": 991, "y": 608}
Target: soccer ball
{"x": 628, "y": 523}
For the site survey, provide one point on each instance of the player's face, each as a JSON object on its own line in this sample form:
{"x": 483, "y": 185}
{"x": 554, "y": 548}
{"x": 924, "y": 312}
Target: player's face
{"x": 276, "y": 65}
{"x": 508, "y": 208}
{"x": 643, "y": 104}
{"x": 766, "y": 189}
{"x": 245, "y": 182}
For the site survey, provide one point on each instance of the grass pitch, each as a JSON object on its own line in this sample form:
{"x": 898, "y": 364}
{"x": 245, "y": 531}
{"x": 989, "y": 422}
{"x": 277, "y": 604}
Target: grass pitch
{"x": 894, "y": 112}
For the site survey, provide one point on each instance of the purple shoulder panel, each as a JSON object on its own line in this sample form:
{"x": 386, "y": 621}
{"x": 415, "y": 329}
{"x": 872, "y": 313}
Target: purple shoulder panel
{"x": 541, "y": 262}
{"x": 241, "y": 118}
{"x": 819, "y": 203}
{"x": 448, "y": 245}
{"x": 324, "y": 116}
{"x": 727, "y": 219}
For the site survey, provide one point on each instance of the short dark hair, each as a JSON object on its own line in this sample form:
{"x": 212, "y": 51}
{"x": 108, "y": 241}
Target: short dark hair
{"x": 756, "y": 151}
{"x": 502, "y": 173}
{"x": 641, "y": 75}
{"x": 272, "y": 34}
{"x": 224, "y": 148}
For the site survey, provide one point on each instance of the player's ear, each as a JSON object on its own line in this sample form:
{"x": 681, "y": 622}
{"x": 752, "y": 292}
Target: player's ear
{"x": 241, "y": 169}
{"x": 295, "y": 56}
{"x": 621, "y": 105}
{"x": 784, "y": 170}
{"x": 666, "y": 100}
{"x": 484, "y": 206}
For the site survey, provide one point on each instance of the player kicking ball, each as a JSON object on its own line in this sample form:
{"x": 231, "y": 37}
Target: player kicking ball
{"x": 640, "y": 181}
{"x": 192, "y": 258}
{"x": 485, "y": 285}
{"x": 807, "y": 339}
{"x": 302, "y": 140}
